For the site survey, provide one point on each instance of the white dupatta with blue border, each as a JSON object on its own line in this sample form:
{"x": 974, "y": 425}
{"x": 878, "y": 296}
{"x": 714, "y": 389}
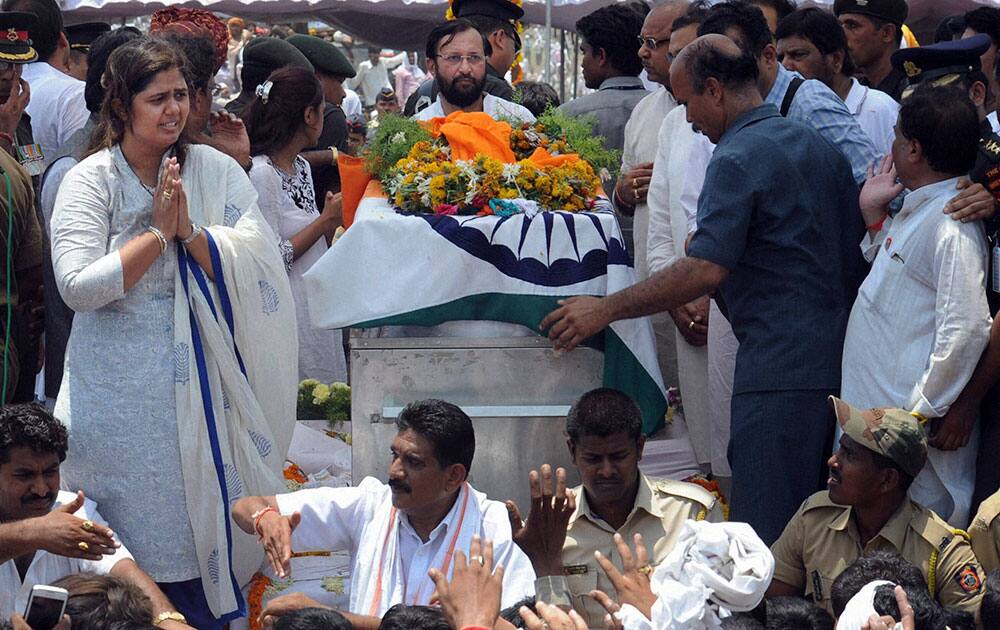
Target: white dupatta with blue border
{"x": 235, "y": 371}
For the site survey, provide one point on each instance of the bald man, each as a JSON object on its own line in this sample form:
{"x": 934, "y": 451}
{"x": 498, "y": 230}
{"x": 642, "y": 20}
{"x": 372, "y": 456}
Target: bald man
{"x": 776, "y": 243}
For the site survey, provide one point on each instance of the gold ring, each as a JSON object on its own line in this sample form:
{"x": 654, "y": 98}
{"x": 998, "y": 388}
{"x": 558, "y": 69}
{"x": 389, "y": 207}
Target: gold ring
{"x": 88, "y": 525}
{"x": 478, "y": 559}
{"x": 83, "y": 546}
{"x": 167, "y": 195}
{"x": 646, "y": 569}
{"x": 690, "y": 324}
{"x": 635, "y": 183}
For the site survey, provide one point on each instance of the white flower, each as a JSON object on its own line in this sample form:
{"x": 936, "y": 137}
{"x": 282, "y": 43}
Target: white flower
{"x": 528, "y": 207}
{"x": 510, "y": 172}
{"x": 446, "y": 150}
{"x": 397, "y": 137}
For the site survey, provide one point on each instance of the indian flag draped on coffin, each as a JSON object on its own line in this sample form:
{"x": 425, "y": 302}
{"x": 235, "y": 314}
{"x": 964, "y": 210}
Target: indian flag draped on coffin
{"x": 424, "y": 270}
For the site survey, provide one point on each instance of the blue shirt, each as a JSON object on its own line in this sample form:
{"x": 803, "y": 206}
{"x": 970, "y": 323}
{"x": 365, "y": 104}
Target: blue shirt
{"x": 779, "y": 210}
{"x": 819, "y": 107}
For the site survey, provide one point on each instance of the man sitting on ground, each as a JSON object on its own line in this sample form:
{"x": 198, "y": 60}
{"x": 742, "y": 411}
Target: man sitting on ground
{"x": 46, "y": 533}
{"x": 565, "y": 528}
{"x": 396, "y": 531}
{"x": 457, "y": 59}
{"x": 867, "y": 509}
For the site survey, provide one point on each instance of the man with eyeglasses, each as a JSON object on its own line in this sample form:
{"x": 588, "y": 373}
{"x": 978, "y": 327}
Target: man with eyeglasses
{"x": 455, "y": 56}
{"x": 496, "y": 20}
{"x": 610, "y": 62}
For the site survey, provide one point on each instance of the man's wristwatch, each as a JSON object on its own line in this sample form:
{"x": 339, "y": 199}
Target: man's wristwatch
{"x": 170, "y": 615}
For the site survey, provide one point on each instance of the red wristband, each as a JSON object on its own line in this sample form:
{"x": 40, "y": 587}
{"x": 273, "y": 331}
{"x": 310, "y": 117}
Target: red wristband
{"x": 877, "y": 226}
{"x": 260, "y": 515}
{"x": 6, "y": 136}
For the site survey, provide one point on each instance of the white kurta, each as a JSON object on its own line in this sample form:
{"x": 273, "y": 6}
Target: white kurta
{"x": 354, "y": 519}
{"x": 668, "y": 229}
{"x": 722, "y": 342}
{"x": 288, "y": 203}
{"x": 57, "y": 107}
{"x": 46, "y": 568}
{"x": 876, "y": 112}
{"x": 917, "y": 330}
{"x": 492, "y": 105}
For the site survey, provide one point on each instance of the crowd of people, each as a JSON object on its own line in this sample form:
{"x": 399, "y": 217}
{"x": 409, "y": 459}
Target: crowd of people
{"x": 813, "y": 200}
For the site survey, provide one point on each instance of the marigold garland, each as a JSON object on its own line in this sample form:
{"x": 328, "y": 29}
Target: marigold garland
{"x": 544, "y": 174}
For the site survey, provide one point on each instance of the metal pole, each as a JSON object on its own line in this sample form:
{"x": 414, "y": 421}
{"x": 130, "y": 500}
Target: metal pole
{"x": 562, "y": 65}
{"x": 548, "y": 41}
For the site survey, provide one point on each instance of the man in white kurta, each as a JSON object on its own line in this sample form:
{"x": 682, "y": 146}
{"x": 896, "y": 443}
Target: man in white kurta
{"x": 396, "y": 531}
{"x": 921, "y": 321}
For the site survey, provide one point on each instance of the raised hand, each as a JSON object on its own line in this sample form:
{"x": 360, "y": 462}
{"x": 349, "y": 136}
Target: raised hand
{"x": 611, "y": 622}
{"x": 13, "y": 108}
{"x": 61, "y": 533}
{"x": 551, "y": 618}
{"x": 879, "y": 190}
{"x": 165, "y": 203}
{"x": 229, "y": 135}
{"x": 632, "y": 582}
{"x": 542, "y": 537}
{"x": 472, "y": 598}
{"x": 276, "y": 536}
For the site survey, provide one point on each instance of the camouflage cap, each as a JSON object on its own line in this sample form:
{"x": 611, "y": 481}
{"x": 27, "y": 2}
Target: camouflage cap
{"x": 892, "y": 433}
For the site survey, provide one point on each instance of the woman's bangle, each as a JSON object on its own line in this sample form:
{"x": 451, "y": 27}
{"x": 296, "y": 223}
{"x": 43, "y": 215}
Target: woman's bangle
{"x": 195, "y": 233}
{"x": 259, "y": 514}
{"x": 336, "y": 155}
{"x": 159, "y": 236}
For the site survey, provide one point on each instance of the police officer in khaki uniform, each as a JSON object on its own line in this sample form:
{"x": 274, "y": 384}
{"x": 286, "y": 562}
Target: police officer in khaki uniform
{"x": 565, "y": 528}
{"x": 867, "y": 509}
{"x": 985, "y": 533}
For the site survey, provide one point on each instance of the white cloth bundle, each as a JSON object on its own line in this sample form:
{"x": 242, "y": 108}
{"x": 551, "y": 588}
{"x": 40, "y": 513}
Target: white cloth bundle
{"x": 713, "y": 568}
{"x": 861, "y": 607}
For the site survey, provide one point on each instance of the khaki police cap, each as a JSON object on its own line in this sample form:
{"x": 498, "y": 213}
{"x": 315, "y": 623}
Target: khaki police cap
{"x": 892, "y": 433}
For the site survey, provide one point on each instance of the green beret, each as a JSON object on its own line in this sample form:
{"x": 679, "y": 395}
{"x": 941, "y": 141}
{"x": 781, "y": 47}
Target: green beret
{"x": 323, "y": 55}
{"x": 264, "y": 55}
{"x": 499, "y": 9}
{"x": 894, "y": 11}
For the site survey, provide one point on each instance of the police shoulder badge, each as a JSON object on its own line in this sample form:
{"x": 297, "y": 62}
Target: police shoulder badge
{"x": 968, "y": 579}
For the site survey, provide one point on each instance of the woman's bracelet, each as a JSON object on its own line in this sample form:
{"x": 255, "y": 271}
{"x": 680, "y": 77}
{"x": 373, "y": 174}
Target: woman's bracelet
{"x": 195, "y": 233}
{"x": 336, "y": 155}
{"x": 159, "y": 236}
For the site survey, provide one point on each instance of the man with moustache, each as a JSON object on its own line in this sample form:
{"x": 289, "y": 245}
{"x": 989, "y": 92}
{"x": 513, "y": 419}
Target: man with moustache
{"x": 867, "y": 508}
{"x": 565, "y": 527}
{"x": 395, "y": 532}
{"x": 456, "y": 57}
{"x": 46, "y": 533}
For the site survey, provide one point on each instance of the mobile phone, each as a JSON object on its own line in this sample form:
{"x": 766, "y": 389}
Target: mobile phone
{"x": 46, "y": 606}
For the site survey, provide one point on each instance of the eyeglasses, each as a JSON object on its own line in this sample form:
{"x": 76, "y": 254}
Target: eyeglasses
{"x": 456, "y": 60}
{"x": 651, "y": 42}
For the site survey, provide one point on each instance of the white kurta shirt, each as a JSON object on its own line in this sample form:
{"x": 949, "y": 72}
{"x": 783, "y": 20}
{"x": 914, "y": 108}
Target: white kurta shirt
{"x": 492, "y": 105}
{"x": 46, "y": 568}
{"x": 640, "y": 146}
{"x": 57, "y": 107}
{"x": 876, "y": 112}
{"x": 335, "y": 519}
{"x": 369, "y": 80}
{"x": 917, "y": 330}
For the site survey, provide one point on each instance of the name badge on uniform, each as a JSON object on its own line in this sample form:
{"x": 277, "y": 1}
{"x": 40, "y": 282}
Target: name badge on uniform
{"x": 575, "y": 569}
{"x": 31, "y": 158}
{"x": 995, "y": 267}
{"x": 817, "y": 586}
